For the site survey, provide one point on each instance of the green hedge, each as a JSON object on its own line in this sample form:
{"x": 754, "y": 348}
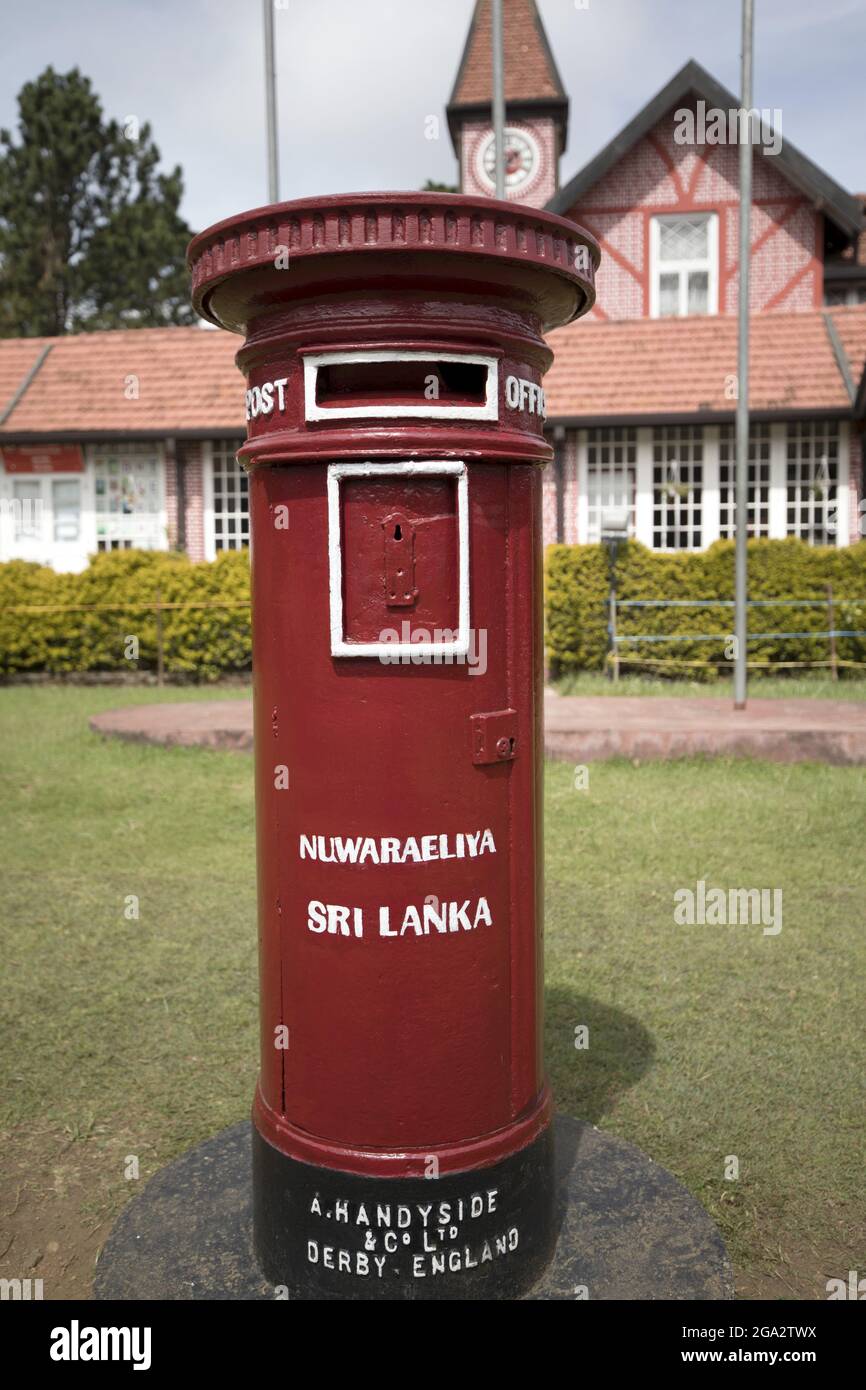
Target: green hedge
{"x": 206, "y": 643}
{"x": 198, "y": 643}
{"x": 577, "y": 588}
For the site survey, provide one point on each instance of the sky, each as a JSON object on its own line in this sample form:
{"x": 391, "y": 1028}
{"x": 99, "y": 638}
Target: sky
{"x": 358, "y": 79}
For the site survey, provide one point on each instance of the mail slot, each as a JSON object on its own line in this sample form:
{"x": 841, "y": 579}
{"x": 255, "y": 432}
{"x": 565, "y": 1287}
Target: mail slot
{"x": 408, "y": 385}
{"x": 402, "y": 1144}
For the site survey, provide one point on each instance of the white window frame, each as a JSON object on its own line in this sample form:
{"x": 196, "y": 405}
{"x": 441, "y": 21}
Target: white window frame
{"x": 760, "y": 440}
{"x": 711, "y": 491}
{"x": 65, "y": 557}
{"x": 844, "y": 498}
{"x": 710, "y": 264}
{"x": 643, "y": 516}
{"x": 209, "y": 497}
{"x": 690, "y": 435}
{"x": 161, "y": 513}
{"x": 837, "y": 530}
{"x": 27, "y": 525}
{"x": 778, "y": 480}
{"x": 608, "y": 467}
{"x": 394, "y": 650}
{"x": 34, "y": 545}
{"x": 54, "y": 484}
{"x": 207, "y": 502}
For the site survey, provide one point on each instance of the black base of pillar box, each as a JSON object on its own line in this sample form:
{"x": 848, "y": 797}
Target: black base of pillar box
{"x": 625, "y": 1229}
{"x": 484, "y": 1234}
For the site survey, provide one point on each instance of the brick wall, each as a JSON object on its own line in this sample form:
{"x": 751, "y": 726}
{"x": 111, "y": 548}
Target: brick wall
{"x": 548, "y": 504}
{"x": 171, "y": 500}
{"x": 191, "y": 454}
{"x": 548, "y": 489}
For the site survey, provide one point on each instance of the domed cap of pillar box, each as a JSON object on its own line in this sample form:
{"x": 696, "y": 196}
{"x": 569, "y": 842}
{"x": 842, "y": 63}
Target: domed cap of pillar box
{"x": 437, "y": 243}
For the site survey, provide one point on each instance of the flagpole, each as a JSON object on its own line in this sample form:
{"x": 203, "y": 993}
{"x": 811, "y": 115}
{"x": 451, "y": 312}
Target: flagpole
{"x": 742, "y": 488}
{"x": 271, "y": 103}
{"x": 498, "y": 99}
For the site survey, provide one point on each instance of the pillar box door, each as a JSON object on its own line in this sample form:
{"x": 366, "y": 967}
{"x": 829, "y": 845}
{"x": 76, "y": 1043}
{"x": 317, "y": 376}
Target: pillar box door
{"x": 394, "y": 359}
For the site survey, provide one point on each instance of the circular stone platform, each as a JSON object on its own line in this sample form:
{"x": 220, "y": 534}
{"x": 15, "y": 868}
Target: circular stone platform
{"x": 589, "y": 729}
{"x": 577, "y": 729}
{"x": 628, "y": 1229}
{"x": 193, "y": 724}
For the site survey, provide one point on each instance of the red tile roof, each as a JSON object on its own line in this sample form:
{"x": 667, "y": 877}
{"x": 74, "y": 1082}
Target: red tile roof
{"x": 855, "y": 254}
{"x": 18, "y": 356}
{"x": 530, "y": 69}
{"x": 849, "y": 324}
{"x": 144, "y": 379}
{"x": 188, "y": 381}
{"x": 666, "y": 367}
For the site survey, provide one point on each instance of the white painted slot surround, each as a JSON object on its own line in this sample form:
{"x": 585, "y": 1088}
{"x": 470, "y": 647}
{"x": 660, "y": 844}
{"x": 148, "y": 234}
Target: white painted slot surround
{"x": 434, "y": 468}
{"x": 431, "y": 410}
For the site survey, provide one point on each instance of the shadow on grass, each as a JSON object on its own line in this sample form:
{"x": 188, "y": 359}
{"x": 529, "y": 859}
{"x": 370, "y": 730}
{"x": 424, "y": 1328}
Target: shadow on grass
{"x": 587, "y": 1081}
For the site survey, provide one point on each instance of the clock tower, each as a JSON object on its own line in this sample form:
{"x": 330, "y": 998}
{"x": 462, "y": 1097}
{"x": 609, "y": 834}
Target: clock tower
{"x": 536, "y": 107}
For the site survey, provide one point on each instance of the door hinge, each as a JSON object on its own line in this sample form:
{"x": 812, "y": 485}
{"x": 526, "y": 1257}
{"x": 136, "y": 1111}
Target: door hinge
{"x": 494, "y": 737}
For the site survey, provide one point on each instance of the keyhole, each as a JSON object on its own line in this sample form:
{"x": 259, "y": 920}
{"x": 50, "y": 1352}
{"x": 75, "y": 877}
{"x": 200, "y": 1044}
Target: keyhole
{"x": 398, "y": 533}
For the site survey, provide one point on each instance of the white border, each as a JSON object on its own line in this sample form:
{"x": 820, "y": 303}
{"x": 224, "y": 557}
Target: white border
{"x": 438, "y": 467}
{"x": 843, "y": 485}
{"x": 207, "y": 505}
{"x": 643, "y": 503}
{"x": 710, "y": 263}
{"x": 777, "y": 521}
{"x": 313, "y": 411}
{"x": 711, "y": 496}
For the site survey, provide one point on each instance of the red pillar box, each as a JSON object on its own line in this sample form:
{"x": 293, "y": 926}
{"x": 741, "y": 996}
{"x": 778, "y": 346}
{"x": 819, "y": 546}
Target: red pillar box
{"x": 394, "y": 358}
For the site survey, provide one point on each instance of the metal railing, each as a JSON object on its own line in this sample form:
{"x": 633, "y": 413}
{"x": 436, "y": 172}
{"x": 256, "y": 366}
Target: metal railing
{"x": 831, "y": 634}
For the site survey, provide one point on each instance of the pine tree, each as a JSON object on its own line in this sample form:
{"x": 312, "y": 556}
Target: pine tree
{"x": 90, "y": 234}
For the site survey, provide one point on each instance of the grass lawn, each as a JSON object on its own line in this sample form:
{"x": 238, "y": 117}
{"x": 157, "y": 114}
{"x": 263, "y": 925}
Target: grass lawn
{"x": 817, "y": 686}
{"x": 133, "y": 1039}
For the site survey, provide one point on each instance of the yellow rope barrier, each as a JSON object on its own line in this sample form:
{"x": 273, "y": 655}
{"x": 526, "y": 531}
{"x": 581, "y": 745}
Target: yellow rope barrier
{"x": 753, "y": 665}
{"x": 117, "y": 607}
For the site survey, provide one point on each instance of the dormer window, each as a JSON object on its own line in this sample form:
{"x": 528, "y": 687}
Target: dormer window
{"x": 684, "y": 263}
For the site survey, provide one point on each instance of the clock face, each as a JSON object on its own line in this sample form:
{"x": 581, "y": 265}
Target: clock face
{"x": 522, "y": 158}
